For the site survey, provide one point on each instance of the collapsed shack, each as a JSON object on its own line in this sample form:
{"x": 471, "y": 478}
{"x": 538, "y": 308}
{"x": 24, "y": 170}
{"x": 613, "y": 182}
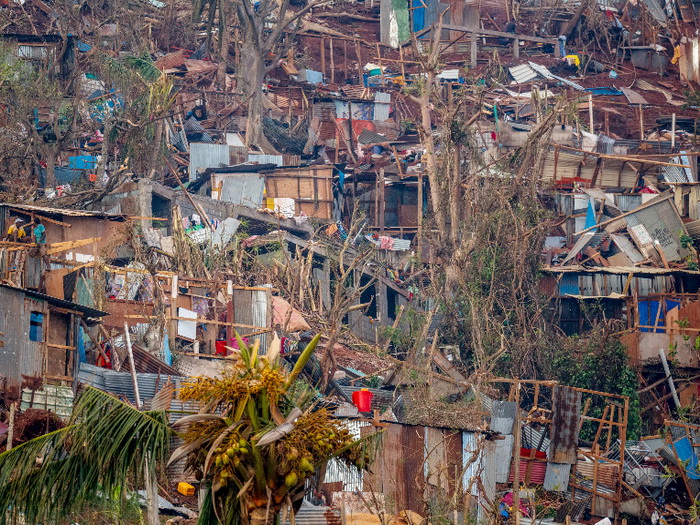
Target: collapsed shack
{"x": 538, "y": 444}
{"x": 41, "y": 347}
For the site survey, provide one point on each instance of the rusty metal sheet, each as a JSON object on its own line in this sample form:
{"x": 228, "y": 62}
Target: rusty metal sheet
{"x": 633, "y": 97}
{"x": 398, "y": 471}
{"x": 566, "y": 415}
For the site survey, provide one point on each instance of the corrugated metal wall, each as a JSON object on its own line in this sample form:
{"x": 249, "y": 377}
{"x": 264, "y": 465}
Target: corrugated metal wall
{"x": 18, "y": 355}
{"x": 240, "y": 188}
{"x": 253, "y": 308}
{"x": 597, "y": 284}
{"x": 204, "y": 156}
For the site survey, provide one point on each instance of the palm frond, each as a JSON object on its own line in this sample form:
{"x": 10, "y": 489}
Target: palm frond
{"x": 105, "y": 445}
{"x": 145, "y": 68}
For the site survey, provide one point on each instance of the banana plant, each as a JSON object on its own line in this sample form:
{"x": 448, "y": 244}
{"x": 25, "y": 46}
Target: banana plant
{"x": 268, "y": 437}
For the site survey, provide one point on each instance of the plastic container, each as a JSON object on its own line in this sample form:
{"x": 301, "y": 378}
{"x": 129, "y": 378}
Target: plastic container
{"x": 221, "y": 348}
{"x": 185, "y": 489}
{"x": 362, "y": 400}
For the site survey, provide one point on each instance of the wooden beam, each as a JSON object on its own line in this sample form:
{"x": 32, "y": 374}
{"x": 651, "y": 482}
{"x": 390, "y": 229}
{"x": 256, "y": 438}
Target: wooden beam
{"x": 489, "y": 32}
{"x": 70, "y": 245}
{"x": 42, "y": 217}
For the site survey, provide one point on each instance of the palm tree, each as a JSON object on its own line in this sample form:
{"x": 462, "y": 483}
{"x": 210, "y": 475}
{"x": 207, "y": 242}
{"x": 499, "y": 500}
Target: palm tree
{"x": 258, "y": 438}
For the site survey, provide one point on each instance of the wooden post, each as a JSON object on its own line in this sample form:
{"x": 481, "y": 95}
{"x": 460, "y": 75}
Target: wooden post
{"x": 673, "y": 132}
{"x": 623, "y": 443}
{"x": 382, "y": 202}
{"x": 607, "y": 123}
{"x": 419, "y": 218}
{"x": 641, "y": 122}
{"x": 403, "y": 66}
{"x": 323, "y": 57}
{"x": 516, "y": 47}
{"x": 345, "y": 59}
{"x": 474, "y": 49}
{"x": 376, "y": 199}
{"x": 358, "y": 52}
{"x": 11, "y": 426}
{"x": 590, "y": 113}
{"x": 132, "y": 366}
{"x": 332, "y": 61}
{"x": 516, "y": 456}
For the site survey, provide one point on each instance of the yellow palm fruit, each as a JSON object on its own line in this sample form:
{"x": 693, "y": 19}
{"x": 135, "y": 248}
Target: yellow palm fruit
{"x": 291, "y": 479}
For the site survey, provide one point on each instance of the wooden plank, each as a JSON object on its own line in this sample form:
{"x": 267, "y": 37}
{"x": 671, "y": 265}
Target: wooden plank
{"x": 58, "y": 378}
{"x": 489, "y": 32}
{"x": 70, "y": 245}
{"x": 60, "y": 347}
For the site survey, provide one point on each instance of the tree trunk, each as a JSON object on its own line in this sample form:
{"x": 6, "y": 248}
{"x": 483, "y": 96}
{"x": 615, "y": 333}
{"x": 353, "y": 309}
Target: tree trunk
{"x": 224, "y": 44}
{"x": 157, "y": 146}
{"x": 50, "y": 159}
{"x": 426, "y": 129}
{"x": 253, "y": 65}
{"x": 263, "y": 516}
{"x": 152, "y": 515}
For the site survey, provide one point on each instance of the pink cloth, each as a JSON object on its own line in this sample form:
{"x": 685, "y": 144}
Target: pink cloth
{"x": 386, "y": 243}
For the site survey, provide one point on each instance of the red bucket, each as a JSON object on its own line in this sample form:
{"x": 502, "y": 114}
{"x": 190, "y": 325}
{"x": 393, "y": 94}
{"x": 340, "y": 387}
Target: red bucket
{"x": 221, "y": 348}
{"x": 363, "y": 400}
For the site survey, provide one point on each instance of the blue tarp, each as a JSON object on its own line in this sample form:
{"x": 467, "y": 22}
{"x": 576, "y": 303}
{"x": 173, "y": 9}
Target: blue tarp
{"x": 81, "y": 345}
{"x": 418, "y": 15}
{"x": 82, "y": 162}
{"x": 63, "y": 175}
{"x": 604, "y": 91}
{"x": 590, "y": 215}
{"x": 569, "y": 284}
{"x": 688, "y": 457}
{"x": 648, "y": 312}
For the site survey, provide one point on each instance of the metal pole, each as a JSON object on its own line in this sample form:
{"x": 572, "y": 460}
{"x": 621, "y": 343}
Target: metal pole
{"x": 132, "y": 366}
{"x": 667, "y": 371}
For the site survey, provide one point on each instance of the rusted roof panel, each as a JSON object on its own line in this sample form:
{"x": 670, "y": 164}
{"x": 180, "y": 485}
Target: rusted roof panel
{"x": 566, "y": 415}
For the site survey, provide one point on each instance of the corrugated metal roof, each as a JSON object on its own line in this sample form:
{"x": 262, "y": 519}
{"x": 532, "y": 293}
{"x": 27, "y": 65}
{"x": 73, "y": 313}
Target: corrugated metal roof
{"x": 120, "y": 383}
{"x": 637, "y": 270}
{"x": 473, "y": 469}
{"x": 277, "y": 160}
{"x": 371, "y": 137}
{"x": 145, "y": 362}
{"x": 548, "y": 75}
{"x": 676, "y": 173}
{"x": 338, "y": 471}
{"x": 633, "y": 97}
{"x": 503, "y": 417}
{"x": 628, "y": 202}
{"x": 88, "y": 312}
{"x": 65, "y": 212}
{"x": 523, "y": 73}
